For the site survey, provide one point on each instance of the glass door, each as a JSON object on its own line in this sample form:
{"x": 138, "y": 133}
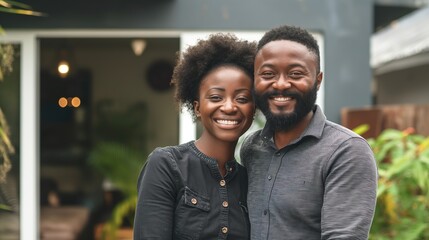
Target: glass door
{"x": 18, "y": 145}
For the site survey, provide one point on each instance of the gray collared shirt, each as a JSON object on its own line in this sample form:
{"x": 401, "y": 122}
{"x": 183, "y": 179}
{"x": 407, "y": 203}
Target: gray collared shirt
{"x": 320, "y": 186}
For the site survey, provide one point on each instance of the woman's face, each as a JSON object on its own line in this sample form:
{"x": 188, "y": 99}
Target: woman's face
{"x": 225, "y": 106}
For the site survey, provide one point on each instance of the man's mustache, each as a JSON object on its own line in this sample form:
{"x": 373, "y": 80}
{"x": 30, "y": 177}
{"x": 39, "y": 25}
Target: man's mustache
{"x": 285, "y": 93}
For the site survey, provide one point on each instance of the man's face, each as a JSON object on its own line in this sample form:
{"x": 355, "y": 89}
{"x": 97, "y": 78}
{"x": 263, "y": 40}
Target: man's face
{"x": 286, "y": 83}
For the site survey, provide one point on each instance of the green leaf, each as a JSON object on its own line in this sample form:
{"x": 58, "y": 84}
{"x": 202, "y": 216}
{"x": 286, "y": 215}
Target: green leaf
{"x": 412, "y": 231}
{"x": 361, "y": 129}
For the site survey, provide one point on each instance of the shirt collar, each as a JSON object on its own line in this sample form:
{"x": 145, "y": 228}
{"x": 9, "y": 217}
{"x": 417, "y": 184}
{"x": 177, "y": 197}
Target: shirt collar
{"x": 231, "y": 166}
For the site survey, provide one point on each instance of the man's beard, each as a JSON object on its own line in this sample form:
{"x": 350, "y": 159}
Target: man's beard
{"x": 286, "y": 121}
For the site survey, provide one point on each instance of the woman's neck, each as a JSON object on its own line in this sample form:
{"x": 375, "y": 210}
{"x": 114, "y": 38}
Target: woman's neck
{"x": 219, "y": 150}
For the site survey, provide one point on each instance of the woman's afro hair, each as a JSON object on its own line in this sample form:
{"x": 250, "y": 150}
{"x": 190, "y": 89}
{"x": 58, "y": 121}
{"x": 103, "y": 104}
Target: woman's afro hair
{"x": 218, "y": 50}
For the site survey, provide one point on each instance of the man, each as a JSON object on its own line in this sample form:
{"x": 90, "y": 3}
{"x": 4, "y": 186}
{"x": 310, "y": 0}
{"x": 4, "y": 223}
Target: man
{"x": 309, "y": 178}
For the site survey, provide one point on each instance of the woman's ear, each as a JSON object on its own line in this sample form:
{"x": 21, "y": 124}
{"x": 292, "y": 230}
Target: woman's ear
{"x": 197, "y": 109}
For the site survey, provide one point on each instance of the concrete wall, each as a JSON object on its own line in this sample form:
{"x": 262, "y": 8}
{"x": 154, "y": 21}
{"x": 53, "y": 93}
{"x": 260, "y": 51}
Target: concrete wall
{"x": 404, "y": 86}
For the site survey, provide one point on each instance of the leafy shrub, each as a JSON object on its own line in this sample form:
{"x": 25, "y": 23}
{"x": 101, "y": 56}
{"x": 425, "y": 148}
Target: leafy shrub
{"x": 402, "y": 210}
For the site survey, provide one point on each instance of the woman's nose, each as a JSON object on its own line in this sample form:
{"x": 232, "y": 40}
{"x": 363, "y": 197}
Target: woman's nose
{"x": 229, "y": 107}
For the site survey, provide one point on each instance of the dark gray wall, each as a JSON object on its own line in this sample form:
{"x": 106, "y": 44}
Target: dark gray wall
{"x": 345, "y": 24}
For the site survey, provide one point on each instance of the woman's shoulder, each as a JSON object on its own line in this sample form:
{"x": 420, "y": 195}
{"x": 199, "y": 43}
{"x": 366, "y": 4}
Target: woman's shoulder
{"x": 170, "y": 153}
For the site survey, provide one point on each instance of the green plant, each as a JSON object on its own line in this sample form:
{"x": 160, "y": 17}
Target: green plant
{"x": 119, "y": 155}
{"x": 121, "y": 165}
{"x": 7, "y": 53}
{"x": 15, "y": 7}
{"x": 403, "y": 188}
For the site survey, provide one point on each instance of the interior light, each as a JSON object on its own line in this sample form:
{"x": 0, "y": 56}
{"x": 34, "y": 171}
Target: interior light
{"x": 75, "y": 102}
{"x": 62, "y": 102}
{"x": 63, "y": 68}
{"x": 138, "y": 46}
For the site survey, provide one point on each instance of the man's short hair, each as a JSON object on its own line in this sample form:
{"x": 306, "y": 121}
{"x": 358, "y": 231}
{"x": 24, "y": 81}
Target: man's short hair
{"x": 294, "y": 34}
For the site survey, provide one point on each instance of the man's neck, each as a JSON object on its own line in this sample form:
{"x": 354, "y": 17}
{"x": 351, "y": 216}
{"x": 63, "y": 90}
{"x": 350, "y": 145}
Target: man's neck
{"x": 283, "y": 138}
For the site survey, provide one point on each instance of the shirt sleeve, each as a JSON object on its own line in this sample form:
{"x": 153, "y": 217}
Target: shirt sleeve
{"x": 350, "y": 192}
{"x": 156, "y": 198}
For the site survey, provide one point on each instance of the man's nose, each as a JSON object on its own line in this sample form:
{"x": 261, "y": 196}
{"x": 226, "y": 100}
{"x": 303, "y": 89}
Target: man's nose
{"x": 282, "y": 83}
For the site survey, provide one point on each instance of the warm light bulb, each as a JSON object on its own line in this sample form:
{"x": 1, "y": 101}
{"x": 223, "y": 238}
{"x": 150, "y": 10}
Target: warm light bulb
{"x": 63, "y": 68}
{"x": 138, "y": 46}
{"x": 62, "y": 102}
{"x": 75, "y": 102}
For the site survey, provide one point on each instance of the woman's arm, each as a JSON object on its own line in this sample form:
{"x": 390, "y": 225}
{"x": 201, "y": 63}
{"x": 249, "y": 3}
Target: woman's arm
{"x": 156, "y": 198}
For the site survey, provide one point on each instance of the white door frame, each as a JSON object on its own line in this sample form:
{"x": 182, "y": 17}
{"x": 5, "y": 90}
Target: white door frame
{"x": 29, "y": 150}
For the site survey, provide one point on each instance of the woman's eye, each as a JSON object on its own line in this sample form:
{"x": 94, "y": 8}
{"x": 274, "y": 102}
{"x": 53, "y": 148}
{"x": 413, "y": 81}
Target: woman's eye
{"x": 215, "y": 98}
{"x": 242, "y": 100}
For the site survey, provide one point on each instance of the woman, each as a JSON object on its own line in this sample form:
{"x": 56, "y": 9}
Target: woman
{"x": 197, "y": 190}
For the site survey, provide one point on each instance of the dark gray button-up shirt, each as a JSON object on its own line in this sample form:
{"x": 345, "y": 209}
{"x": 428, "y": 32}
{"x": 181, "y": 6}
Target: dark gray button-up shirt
{"x": 321, "y": 186}
{"x": 182, "y": 195}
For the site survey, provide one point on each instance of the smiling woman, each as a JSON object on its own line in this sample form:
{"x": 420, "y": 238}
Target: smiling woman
{"x": 197, "y": 190}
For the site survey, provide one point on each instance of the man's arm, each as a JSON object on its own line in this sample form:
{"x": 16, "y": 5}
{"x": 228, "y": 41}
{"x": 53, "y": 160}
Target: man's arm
{"x": 350, "y": 192}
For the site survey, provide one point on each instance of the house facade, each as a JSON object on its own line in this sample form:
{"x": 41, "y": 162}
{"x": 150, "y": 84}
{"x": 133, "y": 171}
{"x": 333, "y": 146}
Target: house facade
{"x": 343, "y": 27}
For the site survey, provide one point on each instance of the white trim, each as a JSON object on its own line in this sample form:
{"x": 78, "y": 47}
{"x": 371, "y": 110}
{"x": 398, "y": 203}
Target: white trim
{"x": 29, "y": 154}
{"x": 29, "y": 207}
{"x": 321, "y": 93}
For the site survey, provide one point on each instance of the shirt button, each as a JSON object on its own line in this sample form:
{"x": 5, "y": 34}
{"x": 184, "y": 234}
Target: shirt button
{"x": 225, "y": 204}
{"x": 222, "y": 183}
{"x": 277, "y": 154}
{"x": 265, "y": 212}
{"x": 194, "y": 201}
{"x": 224, "y": 230}
{"x": 269, "y": 177}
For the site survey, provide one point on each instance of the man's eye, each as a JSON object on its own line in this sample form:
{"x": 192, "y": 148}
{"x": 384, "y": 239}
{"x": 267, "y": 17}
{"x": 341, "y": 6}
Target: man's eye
{"x": 295, "y": 75}
{"x": 267, "y": 75}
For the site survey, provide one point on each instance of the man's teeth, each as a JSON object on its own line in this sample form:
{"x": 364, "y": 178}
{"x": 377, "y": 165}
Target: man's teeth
{"x": 282, "y": 99}
{"x": 227, "y": 122}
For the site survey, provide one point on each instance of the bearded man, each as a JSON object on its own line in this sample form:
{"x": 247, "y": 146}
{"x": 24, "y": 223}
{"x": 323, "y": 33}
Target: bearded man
{"x": 309, "y": 178}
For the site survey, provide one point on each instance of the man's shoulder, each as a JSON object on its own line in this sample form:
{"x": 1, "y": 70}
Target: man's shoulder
{"x": 253, "y": 136}
{"x": 339, "y": 131}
